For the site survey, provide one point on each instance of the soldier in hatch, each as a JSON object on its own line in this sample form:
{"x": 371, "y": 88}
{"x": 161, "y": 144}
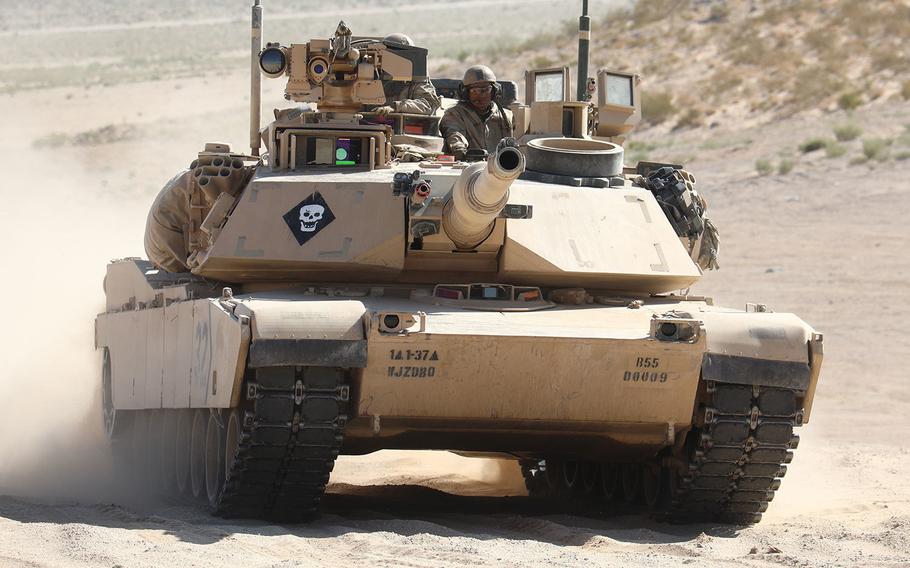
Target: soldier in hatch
{"x": 477, "y": 121}
{"x": 407, "y": 96}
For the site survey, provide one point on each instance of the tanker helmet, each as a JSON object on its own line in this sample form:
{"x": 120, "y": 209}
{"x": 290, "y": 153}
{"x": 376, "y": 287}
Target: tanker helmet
{"x": 398, "y": 37}
{"x": 478, "y": 74}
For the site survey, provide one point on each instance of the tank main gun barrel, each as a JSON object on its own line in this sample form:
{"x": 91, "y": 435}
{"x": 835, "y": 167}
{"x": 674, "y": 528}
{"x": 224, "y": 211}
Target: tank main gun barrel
{"x": 479, "y": 195}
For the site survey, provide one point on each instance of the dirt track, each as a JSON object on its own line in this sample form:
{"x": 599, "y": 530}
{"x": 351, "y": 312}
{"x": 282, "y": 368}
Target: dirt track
{"x": 826, "y": 241}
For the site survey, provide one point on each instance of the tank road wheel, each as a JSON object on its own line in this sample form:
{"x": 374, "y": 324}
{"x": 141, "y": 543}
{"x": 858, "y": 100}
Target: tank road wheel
{"x": 631, "y": 482}
{"x": 231, "y": 442}
{"x": 197, "y": 453}
{"x": 153, "y": 450}
{"x": 674, "y": 483}
{"x": 214, "y": 459}
{"x": 168, "y": 450}
{"x": 571, "y": 475}
{"x": 609, "y": 480}
{"x": 139, "y": 448}
{"x": 589, "y": 477}
{"x": 652, "y": 484}
{"x": 553, "y": 476}
{"x": 183, "y": 451}
{"x": 222, "y": 466}
{"x": 108, "y": 412}
{"x": 534, "y": 477}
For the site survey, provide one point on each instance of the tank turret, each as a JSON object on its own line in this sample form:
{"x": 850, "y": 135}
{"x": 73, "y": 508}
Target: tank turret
{"x": 479, "y": 195}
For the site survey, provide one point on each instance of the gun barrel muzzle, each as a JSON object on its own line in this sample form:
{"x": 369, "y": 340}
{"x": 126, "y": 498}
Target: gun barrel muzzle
{"x": 479, "y": 195}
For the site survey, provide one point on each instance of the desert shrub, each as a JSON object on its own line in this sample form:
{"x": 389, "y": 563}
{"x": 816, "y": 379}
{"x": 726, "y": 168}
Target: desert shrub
{"x": 692, "y": 118}
{"x": 889, "y": 58}
{"x": 763, "y": 167}
{"x": 647, "y": 11}
{"x": 750, "y": 49}
{"x": 813, "y": 85}
{"x": 771, "y": 16}
{"x": 818, "y": 39}
{"x": 785, "y": 166}
{"x": 713, "y": 144}
{"x": 105, "y": 135}
{"x": 860, "y": 16}
{"x": 850, "y": 101}
{"x": 617, "y": 16}
{"x": 568, "y": 27}
{"x": 657, "y": 106}
{"x": 721, "y": 83}
{"x": 902, "y": 155}
{"x": 97, "y": 136}
{"x": 905, "y": 90}
{"x": 835, "y": 150}
{"x": 653, "y": 68}
{"x": 904, "y": 138}
{"x": 812, "y": 144}
{"x": 52, "y": 140}
{"x": 636, "y": 146}
{"x": 847, "y": 132}
{"x": 636, "y": 151}
{"x": 719, "y": 13}
{"x": 542, "y": 61}
{"x": 876, "y": 148}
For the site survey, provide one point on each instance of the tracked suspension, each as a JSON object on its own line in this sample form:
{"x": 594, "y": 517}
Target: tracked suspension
{"x": 269, "y": 458}
{"x": 740, "y": 453}
{"x": 728, "y": 470}
{"x": 288, "y": 433}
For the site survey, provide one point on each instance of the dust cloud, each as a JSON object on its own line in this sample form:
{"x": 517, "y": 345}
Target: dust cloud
{"x": 58, "y": 232}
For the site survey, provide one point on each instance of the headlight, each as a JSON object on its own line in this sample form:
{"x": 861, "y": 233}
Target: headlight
{"x": 400, "y": 323}
{"x": 676, "y": 329}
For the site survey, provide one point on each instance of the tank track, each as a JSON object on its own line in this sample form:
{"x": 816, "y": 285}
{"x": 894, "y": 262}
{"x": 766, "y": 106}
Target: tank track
{"x": 739, "y": 454}
{"x": 728, "y": 469}
{"x": 291, "y": 424}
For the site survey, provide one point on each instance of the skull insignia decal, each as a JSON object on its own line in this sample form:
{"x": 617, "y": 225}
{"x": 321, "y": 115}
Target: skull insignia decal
{"x": 308, "y": 218}
{"x": 310, "y": 215}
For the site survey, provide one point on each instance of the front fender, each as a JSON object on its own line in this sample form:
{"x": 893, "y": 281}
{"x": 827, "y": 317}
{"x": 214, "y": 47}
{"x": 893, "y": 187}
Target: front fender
{"x": 290, "y": 330}
{"x": 758, "y": 348}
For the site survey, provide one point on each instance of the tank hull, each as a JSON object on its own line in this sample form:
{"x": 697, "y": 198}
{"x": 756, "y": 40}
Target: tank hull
{"x": 585, "y": 383}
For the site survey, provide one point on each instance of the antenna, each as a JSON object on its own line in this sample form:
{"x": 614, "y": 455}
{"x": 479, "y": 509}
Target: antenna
{"x": 584, "y": 40}
{"x": 255, "y": 77}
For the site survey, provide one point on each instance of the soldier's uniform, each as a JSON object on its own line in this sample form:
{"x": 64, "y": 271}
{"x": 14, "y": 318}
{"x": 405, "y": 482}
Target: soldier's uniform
{"x": 464, "y": 128}
{"x": 411, "y": 97}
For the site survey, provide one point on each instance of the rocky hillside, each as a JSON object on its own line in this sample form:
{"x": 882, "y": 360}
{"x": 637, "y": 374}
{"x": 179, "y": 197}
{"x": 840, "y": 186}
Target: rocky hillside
{"x": 713, "y": 62}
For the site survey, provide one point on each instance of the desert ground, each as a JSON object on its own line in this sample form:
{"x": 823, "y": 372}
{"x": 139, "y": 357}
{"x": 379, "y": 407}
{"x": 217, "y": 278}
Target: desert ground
{"x": 820, "y": 233}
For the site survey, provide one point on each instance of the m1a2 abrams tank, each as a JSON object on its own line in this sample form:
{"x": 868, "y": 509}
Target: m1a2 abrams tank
{"x": 326, "y": 298}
